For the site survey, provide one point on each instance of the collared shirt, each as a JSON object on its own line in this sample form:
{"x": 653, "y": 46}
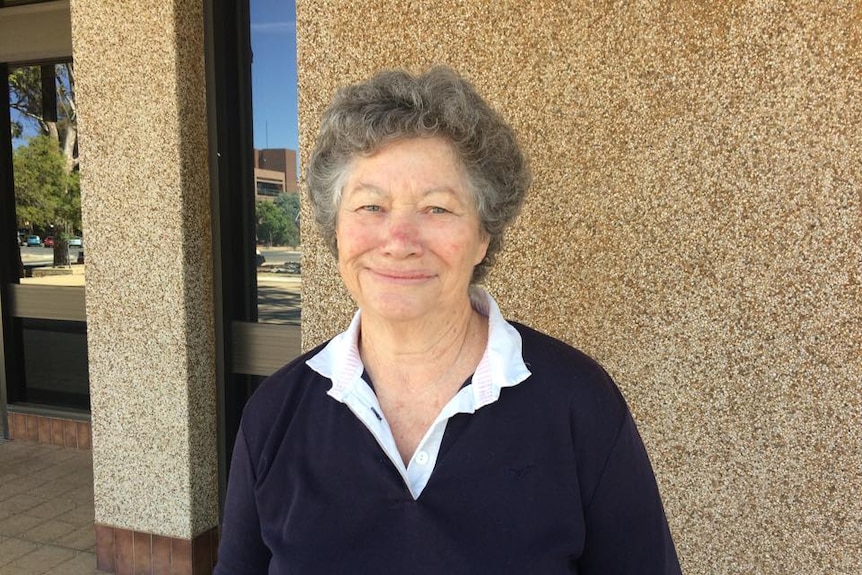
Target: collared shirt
{"x": 502, "y": 365}
{"x": 552, "y": 477}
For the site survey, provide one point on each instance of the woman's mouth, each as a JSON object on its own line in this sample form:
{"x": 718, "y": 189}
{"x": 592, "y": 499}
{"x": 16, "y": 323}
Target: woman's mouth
{"x": 402, "y": 275}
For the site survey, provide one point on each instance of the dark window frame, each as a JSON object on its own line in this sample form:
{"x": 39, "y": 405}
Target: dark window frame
{"x": 10, "y": 3}
{"x": 17, "y": 301}
{"x": 247, "y": 351}
{"x": 11, "y": 346}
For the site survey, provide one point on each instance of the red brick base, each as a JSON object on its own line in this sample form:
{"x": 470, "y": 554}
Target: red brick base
{"x": 50, "y": 430}
{"x": 122, "y": 551}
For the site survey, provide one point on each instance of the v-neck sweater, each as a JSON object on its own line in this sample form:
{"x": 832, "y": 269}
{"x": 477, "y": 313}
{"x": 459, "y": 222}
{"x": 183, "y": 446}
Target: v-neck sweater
{"x": 550, "y": 478}
{"x": 501, "y": 366}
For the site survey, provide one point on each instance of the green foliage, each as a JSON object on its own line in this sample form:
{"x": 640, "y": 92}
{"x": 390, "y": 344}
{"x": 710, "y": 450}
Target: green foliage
{"x": 276, "y": 222}
{"x": 47, "y": 188}
{"x": 45, "y": 194}
{"x": 289, "y": 204}
{"x": 25, "y": 97}
{"x": 70, "y": 209}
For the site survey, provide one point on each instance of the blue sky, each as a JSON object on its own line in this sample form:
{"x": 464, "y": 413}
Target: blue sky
{"x": 273, "y": 70}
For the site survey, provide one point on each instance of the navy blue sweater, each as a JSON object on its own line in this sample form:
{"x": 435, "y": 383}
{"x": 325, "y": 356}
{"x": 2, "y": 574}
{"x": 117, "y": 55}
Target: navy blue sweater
{"x": 551, "y": 478}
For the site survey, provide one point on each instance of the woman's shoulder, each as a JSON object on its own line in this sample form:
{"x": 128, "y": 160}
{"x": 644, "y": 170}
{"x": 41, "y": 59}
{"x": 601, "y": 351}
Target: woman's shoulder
{"x": 281, "y": 393}
{"x": 550, "y": 352}
{"x": 568, "y": 373}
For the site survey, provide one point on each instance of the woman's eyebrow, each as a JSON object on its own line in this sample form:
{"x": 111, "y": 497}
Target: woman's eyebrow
{"x": 440, "y": 190}
{"x": 367, "y": 188}
{"x": 445, "y": 191}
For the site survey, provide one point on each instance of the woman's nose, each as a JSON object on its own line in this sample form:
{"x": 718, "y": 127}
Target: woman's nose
{"x": 402, "y": 235}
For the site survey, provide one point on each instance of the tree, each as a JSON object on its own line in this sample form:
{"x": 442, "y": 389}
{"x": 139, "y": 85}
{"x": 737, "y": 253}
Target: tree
{"x": 25, "y": 97}
{"x": 46, "y": 195}
{"x": 60, "y": 125}
{"x": 39, "y": 181}
{"x": 289, "y": 204}
{"x": 274, "y": 226}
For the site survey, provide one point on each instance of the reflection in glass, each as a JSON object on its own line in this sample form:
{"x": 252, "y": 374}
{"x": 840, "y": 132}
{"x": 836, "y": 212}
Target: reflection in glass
{"x": 9, "y": 3}
{"x": 55, "y": 363}
{"x": 274, "y": 97}
{"x": 45, "y": 172}
{"x": 47, "y": 201}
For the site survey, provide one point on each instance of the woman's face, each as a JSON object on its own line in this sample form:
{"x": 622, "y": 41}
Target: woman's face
{"x": 408, "y": 231}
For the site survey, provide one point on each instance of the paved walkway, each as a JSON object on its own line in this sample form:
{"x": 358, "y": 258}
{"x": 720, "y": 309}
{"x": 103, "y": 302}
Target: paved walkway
{"x": 46, "y": 510}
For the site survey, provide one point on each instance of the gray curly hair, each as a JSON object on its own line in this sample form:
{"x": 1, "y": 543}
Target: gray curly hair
{"x": 394, "y": 105}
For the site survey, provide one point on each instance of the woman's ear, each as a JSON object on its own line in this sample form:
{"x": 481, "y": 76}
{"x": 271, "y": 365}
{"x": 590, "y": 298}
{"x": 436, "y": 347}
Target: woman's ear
{"x": 485, "y": 241}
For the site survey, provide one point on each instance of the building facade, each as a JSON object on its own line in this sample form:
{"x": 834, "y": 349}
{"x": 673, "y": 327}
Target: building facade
{"x": 274, "y": 173}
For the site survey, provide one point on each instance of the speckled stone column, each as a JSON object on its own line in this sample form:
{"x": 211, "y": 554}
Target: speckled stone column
{"x": 694, "y": 225}
{"x": 146, "y": 206}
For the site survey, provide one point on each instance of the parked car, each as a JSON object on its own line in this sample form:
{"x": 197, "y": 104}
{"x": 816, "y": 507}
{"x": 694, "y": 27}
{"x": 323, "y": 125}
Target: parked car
{"x": 48, "y": 242}
{"x": 76, "y": 242}
{"x": 34, "y": 241}
{"x": 259, "y": 257}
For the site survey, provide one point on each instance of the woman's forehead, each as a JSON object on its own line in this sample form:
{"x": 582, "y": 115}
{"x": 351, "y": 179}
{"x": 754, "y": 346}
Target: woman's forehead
{"x": 432, "y": 159}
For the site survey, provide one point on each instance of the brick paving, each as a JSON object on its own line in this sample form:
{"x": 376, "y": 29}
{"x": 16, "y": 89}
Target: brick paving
{"x": 46, "y": 510}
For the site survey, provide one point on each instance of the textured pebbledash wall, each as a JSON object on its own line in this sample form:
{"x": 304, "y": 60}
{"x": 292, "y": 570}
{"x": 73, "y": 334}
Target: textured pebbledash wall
{"x": 142, "y": 117}
{"x": 694, "y": 224}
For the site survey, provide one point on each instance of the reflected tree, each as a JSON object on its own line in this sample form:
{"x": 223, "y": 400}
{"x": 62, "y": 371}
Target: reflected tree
{"x": 45, "y": 193}
{"x": 43, "y": 97}
{"x": 275, "y": 226}
{"x": 289, "y": 204}
{"x": 278, "y": 221}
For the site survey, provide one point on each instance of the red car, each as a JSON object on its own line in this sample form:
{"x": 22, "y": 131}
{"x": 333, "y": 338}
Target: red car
{"x": 48, "y": 242}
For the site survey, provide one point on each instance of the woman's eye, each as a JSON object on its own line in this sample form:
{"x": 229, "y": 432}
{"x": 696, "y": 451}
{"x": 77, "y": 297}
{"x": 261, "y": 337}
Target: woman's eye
{"x": 370, "y": 208}
{"x": 438, "y": 210}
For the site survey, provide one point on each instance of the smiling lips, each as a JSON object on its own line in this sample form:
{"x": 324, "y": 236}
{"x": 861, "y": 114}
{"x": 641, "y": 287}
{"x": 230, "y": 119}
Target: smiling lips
{"x": 401, "y": 275}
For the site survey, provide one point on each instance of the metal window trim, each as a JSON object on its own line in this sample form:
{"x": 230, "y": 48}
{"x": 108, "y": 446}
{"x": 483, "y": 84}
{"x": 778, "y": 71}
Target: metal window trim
{"x": 228, "y": 79}
{"x": 47, "y": 302}
{"x": 262, "y": 348}
{"x": 33, "y": 32}
{"x": 50, "y": 411}
{"x": 11, "y": 364}
{"x": 4, "y": 412}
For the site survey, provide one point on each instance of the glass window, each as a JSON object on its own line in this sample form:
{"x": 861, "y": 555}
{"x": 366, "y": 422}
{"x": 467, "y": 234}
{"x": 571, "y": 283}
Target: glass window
{"x": 55, "y": 363}
{"x": 45, "y": 172}
{"x": 50, "y": 244}
{"x": 257, "y": 229}
{"x": 270, "y": 189}
{"x": 276, "y": 140}
{"x": 7, "y": 3}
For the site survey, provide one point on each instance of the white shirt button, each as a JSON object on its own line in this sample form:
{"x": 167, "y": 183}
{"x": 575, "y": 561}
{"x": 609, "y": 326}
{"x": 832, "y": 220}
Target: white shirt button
{"x": 421, "y": 457}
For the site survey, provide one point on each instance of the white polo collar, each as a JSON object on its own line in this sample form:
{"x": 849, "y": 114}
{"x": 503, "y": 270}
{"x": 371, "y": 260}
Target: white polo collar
{"x": 502, "y": 364}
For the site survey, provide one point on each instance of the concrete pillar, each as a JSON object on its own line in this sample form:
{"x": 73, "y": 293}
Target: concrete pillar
{"x": 146, "y": 208}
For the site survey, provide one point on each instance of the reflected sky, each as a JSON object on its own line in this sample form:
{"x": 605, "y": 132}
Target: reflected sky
{"x": 274, "y": 79}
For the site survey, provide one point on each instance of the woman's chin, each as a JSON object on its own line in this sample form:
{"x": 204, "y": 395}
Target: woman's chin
{"x": 397, "y": 308}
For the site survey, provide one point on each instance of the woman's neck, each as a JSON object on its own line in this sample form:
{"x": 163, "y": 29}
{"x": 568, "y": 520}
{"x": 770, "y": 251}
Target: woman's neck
{"x": 417, "y": 369}
{"x": 418, "y": 355}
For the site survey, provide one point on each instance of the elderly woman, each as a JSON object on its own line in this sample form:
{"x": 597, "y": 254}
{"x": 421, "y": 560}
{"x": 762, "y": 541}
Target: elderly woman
{"x": 433, "y": 436}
